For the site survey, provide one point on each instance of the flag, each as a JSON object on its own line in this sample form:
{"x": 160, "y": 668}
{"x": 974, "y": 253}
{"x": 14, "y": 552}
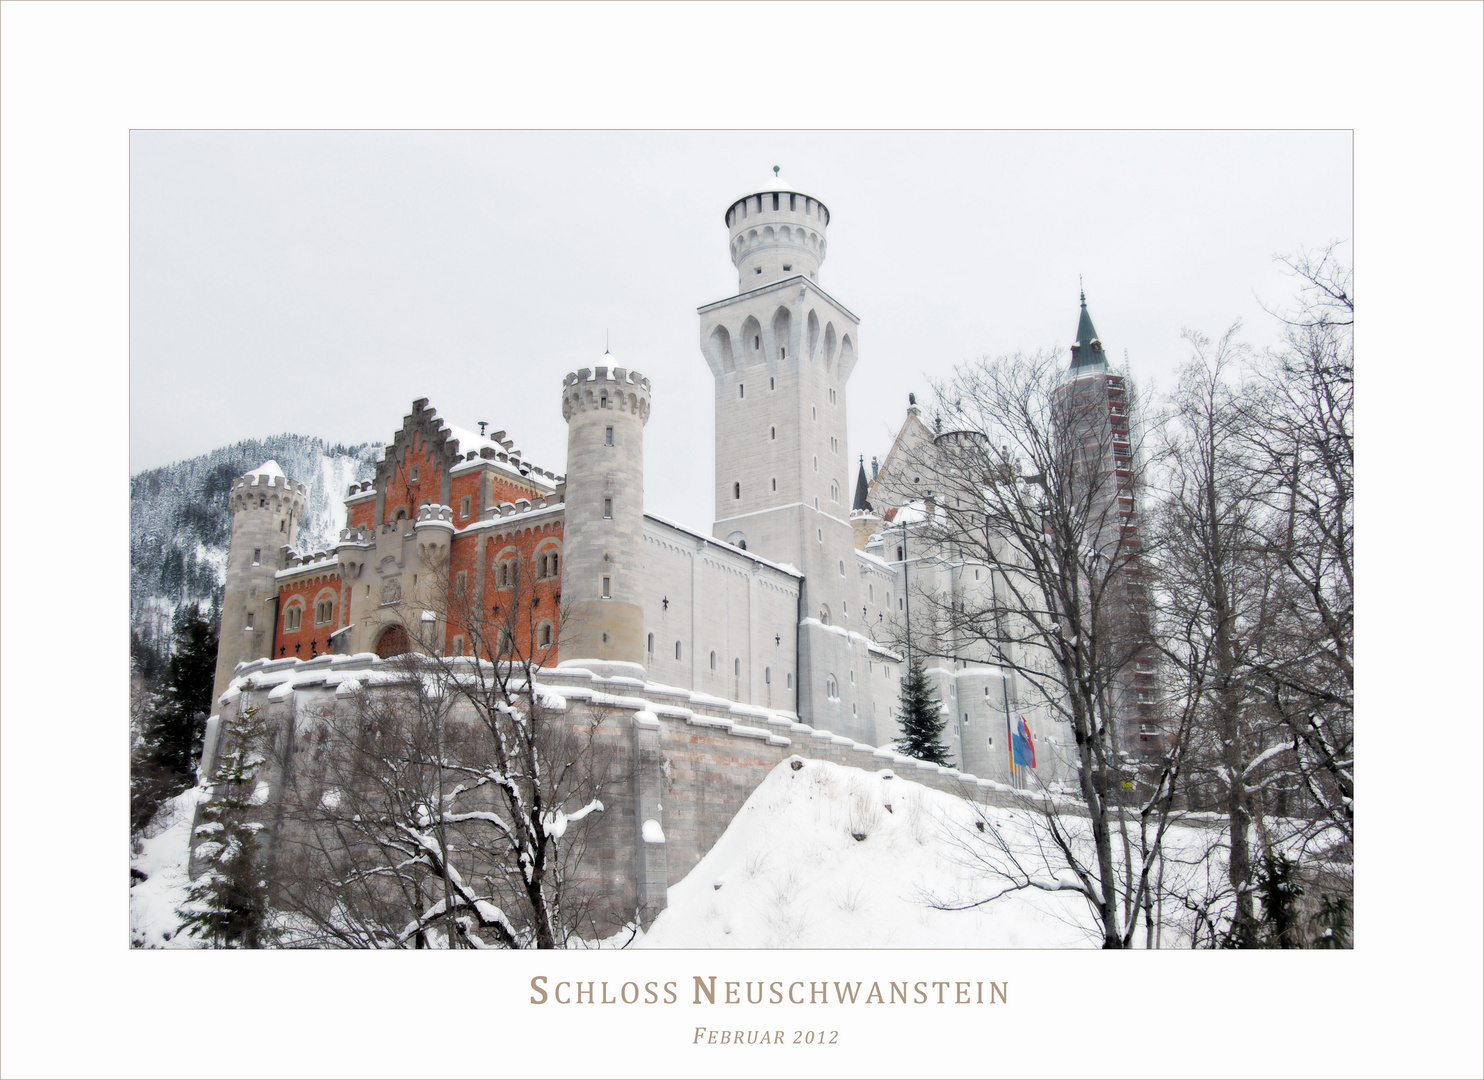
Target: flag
{"x": 1025, "y": 750}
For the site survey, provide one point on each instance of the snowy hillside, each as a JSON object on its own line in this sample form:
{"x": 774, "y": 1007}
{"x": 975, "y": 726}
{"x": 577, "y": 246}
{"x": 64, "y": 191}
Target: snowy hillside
{"x": 180, "y": 522}
{"x": 789, "y": 872}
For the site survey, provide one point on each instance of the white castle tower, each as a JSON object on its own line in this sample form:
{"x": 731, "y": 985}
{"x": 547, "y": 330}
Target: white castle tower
{"x": 603, "y": 530}
{"x": 267, "y": 508}
{"x": 781, "y": 352}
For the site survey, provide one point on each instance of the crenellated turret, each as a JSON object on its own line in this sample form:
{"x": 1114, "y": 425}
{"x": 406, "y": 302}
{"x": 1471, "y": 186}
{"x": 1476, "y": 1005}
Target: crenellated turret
{"x": 776, "y": 235}
{"x": 603, "y": 552}
{"x": 267, "y": 508}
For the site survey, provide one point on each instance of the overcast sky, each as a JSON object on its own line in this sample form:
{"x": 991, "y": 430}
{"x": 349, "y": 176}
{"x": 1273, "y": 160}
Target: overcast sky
{"x": 319, "y": 282}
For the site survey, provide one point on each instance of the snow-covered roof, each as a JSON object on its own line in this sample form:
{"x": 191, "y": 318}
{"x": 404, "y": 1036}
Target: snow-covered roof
{"x": 271, "y": 467}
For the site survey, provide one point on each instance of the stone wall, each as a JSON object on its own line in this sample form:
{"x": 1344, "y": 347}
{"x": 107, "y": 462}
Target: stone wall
{"x": 690, "y": 760}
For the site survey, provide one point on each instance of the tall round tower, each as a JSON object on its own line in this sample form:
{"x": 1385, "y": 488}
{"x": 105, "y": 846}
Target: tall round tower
{"x": 267, "y": 508}
{"x": 603, "y": 530}
{"x": 776, "y": 235}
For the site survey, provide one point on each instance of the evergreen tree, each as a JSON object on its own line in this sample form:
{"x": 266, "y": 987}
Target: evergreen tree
{"x": 1332, "y": 923}
{"x": 1279, "y": 890}
{"x": 228, "y": 901}
{"x": 179, "y": 724}
{"x": 921, "y": 721}
{"x": 172, "y": 702}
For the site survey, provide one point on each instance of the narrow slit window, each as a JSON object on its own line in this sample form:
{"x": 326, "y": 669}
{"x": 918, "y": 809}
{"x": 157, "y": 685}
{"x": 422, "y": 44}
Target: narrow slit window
{"x": 608, "y": 436}
{"x": 608, "y": 508}
{"x": 741, "y": 390}
{"x": 607, "y": 587}
{"x": 736, "y": 491}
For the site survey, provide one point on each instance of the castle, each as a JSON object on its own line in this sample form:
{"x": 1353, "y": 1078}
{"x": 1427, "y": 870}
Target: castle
{"x": 782, "y": 625}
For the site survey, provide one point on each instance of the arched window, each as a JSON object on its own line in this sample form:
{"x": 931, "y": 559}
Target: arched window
{"x": 293, "y": 617}
{"x": 834, "y": 491}
{"x": 737, "y": 490}
{"x": 824, "y": 614}
{"x": 737, "y": 667}
{"x": 768, "y": 676}
{"x": 324, "y": 612}
{"x": 543, "y": 635}
{"x": 650, "y": 645}
{"x": 677, "y": 650}
{"x": 713, "y": 660}
{"x": 831, "y": 688}
{"x": 899, "y": 553}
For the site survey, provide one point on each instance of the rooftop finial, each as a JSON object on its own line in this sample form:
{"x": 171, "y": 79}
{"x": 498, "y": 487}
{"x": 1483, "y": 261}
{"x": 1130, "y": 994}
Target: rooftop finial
{"x": 775, "y": 172}
{"x": 1081, "y": 290}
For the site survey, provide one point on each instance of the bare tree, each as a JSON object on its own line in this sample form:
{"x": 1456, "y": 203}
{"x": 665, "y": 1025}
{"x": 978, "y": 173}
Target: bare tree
{"x": 1030, "y": 479}
{"x": 1299, "y": 428}
{"x": 1215, "y": 590}
{"x": 449, "y": 803}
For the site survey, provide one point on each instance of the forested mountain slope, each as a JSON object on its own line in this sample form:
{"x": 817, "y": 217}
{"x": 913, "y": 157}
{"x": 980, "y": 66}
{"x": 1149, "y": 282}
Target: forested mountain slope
{"x": 180, "y": 522}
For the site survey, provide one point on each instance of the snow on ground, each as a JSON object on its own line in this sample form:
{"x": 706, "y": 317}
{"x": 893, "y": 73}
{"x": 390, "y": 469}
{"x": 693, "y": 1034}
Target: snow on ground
{"x": 790, "y": 873}
{"x": 162, "y": 856}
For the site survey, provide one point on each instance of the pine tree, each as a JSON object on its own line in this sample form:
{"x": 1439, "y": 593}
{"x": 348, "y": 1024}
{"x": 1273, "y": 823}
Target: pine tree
{"x": 228, "y": 902}
{"x": 176, "y": 729}
{"x": 921, "y": 721}
{"x": 1279, "y": 889}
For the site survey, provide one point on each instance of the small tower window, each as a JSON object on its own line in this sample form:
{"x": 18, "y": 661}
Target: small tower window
{"x": 783, "y": 352}
{"x": 771, "y": 384}
{"x": 775, "y": 483}
{"x": 603, "y": 402}
{"x": 677, "y": 650}
{"x": 834, "y": 491}
{"x": 608, "y": 436}
{"x": 649, "y": 646}
{"x": 281, "y": 525}
{"x": 816, "y": 463}
{"x": 249, "y": 620}
{"x": 607, "y": 587}
{"x": 736, "y": 491}
{"x": 757, "y": 341}
{"x": 813, "y": 413}
{"x": 790, "y": 680}
{"x": 257, "y": 553}
{"x": 741, "y": 390}
{"x": 713, "y": 660}
{"x": 737, "y": 668}
{"x": 791, "y": 199}
{"x": 608, "y": 508}
{"x": 416, "y": 470}
{"x": 772, "y": 433}
{"x": 464, "y": 506}
{"x": 775, "y": 200}
{"x": 767, "y": 676}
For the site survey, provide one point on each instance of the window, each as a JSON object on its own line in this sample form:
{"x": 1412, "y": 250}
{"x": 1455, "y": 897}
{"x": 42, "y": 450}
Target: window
{"x": 458, "y": 645}
{"x": 713, "y": 660}
{"x": 820, "y": 533}
{"x": 737, "y": 667}
{"x": 834, "y": 445}
{"x": 607, "y": 585}
{"x": 899, "y": 553}
{"x": 775, "y": 483}
{"x": 262, "y": 501}
{"x": 324, "y": 612}
{"x": 832, "y": 397}
{"x": 813, "y": 413}
{"x": 544, "y": 637}
{"x": 293, "y": 618}
{"x": 790, "y": 678}
{"x": 736, "y": 491}
{"x": 741, "y": 390}
{"x": 603, "y": 402}
{"x": 416, "y": 470}
{"x": 257, "y": 553}
{"x": 824, "y": 614}
{"x": 464, "y": 506}
{"x": 832, "y": 688}
{"x": 771, "y": 385}
{"x": 775, "y": 200}
{"x": 772, "y": 433}
{"x": 871, "y": 593}
{"x": 816, "y": 463}
{"x": 767, "y": 676}
{"x": 461, "y": 580}
{"x": 783, "y": 350}
{"x": 677, "y": 650}
{"x": 608, "y": 508}
{"x": 649, "y": 645}
{"x": 608, "y": 436}
{"x": 842, "y": 567}
{"x": 249, "y": 620}
{"x": 834, "y": 491}
{"x": 757, "y": 341}
{"x": 281, "y": 526}
{"x": 791, "y": 199}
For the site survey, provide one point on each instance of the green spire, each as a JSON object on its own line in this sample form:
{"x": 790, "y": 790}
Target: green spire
{"x": 1086, "y": 356}
{"x": 861, "y": 487}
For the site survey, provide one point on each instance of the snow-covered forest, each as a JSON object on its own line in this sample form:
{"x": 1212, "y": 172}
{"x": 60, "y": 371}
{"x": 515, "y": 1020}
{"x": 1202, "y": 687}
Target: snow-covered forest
{"x": 180, "y": 523}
